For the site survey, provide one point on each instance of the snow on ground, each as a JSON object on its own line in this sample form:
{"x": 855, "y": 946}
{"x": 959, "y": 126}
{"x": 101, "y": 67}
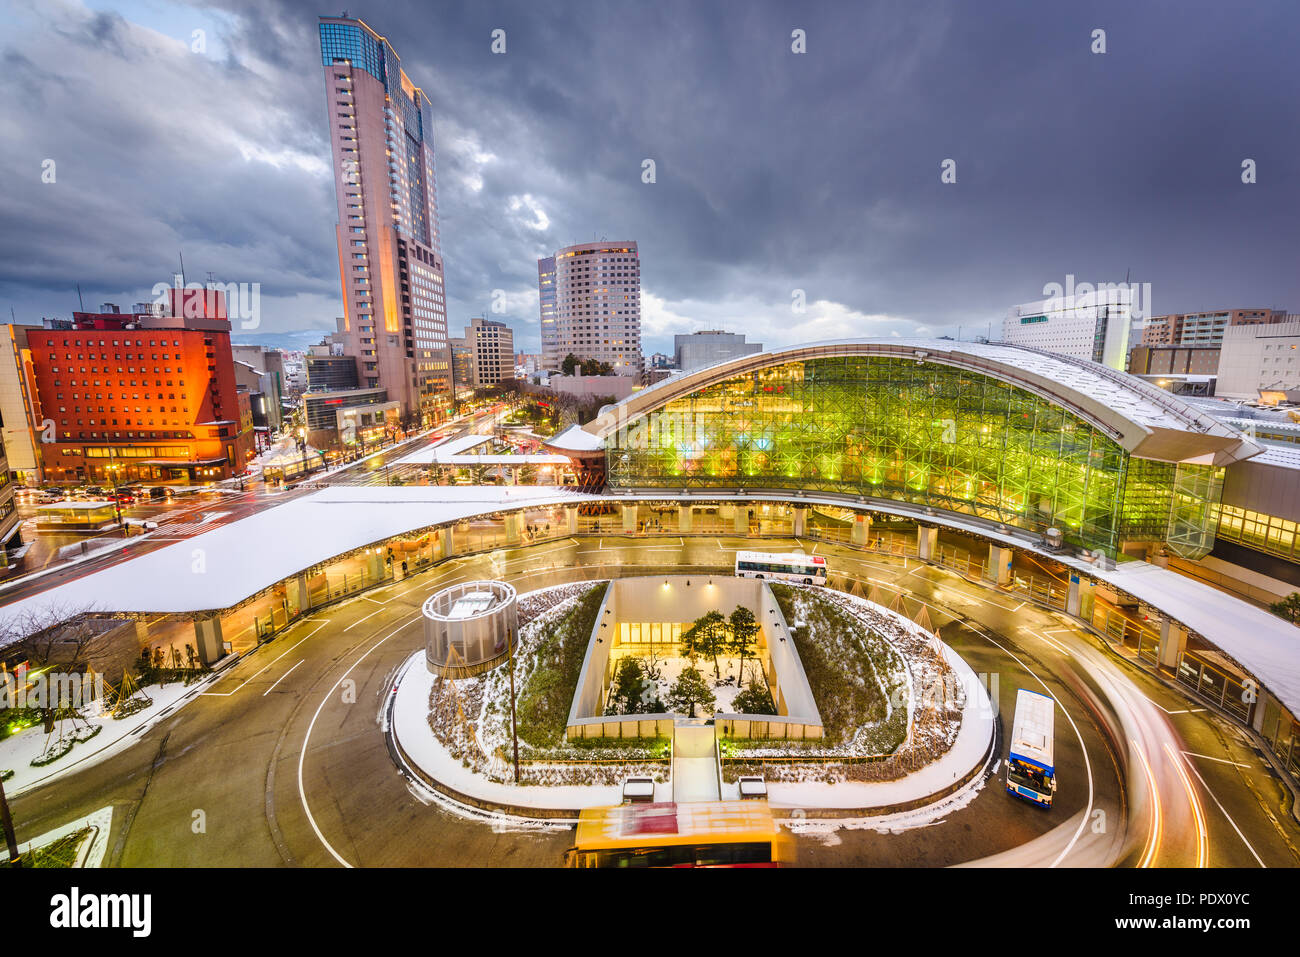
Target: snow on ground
{"x": 92, "y": 853}
{"x": 17, "y": 751}
{"x": 410, "y": 724}
{"x": 724, "y": 690}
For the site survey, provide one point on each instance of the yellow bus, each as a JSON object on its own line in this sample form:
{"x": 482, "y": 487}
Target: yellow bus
{"x": 707, "y": 834}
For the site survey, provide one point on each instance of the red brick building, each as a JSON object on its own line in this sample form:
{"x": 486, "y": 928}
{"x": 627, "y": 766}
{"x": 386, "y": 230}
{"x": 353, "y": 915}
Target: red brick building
{"x": 140, "y": 397}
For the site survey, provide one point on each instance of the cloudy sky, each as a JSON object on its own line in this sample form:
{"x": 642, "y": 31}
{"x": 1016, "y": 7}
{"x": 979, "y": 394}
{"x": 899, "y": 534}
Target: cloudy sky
{"x": 775, "y": 171}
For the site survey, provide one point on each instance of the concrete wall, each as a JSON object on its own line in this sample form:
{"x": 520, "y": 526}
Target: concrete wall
{"x": 684, "y": 598}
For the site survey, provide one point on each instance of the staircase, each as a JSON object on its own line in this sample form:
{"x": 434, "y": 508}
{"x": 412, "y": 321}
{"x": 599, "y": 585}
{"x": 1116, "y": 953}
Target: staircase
{"x": 695, "y": 762}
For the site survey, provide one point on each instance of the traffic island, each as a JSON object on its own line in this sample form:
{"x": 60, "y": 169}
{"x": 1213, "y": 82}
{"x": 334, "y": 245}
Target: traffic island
{"x": 922, "y": 732}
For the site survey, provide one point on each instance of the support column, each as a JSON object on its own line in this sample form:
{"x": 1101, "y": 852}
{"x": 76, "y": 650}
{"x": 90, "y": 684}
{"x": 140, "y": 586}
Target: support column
{"x": 999, "y": 567}
{"x": 800, "y": 521}
{"x": 514, "y": 532}
{"x": 208, "y": 640}
{"x": 629, "y": 519}
{"x": 740, "y": 520}
{"x": 861, "y": 531}
{"x": 141, "y": 633}
{"x": 446, "y": 542}
{"x": 374, "y": 566}
{"x": 927, "y": 541}
{"x": 1081, "y": 597}
{"x": 685, "y": 515}
{"x": 1173, "y": 642}
{"x": 299, "y": 595}
{"x": 571, "y": 515}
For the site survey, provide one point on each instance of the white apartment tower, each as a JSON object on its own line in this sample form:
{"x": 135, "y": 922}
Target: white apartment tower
{"x": 597, "y": 305}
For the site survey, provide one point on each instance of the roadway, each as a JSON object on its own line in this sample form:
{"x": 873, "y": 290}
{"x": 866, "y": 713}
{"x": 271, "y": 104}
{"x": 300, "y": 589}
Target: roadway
{"x": 285, "y": 756}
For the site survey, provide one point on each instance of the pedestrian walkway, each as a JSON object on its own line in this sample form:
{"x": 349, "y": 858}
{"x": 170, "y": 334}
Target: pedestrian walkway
{"x": 695, "y": 763}
{"x": 185, "y": 529}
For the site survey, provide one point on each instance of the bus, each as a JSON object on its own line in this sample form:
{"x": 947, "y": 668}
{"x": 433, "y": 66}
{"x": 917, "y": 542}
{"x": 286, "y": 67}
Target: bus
{"x": 1031, "y": 771}
{"x": 796, "y": 567}
{"x": 705, "y": 834}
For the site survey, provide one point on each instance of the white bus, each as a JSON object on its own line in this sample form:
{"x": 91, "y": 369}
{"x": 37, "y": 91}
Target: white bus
{"x": 1031, "y": 768}
{"x": 809, "y": 569}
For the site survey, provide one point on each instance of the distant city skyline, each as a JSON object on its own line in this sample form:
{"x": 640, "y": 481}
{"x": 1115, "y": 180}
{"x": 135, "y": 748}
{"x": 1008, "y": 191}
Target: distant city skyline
{"x": 780, "y": 178}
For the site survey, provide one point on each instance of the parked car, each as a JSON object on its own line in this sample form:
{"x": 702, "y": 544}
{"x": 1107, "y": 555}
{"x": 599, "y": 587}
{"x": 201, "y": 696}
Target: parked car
{"x": 159, "y": 493}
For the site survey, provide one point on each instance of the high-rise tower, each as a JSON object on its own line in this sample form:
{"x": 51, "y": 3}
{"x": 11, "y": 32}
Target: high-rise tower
{"x": 390, "y": 251}
{"x": 597, "y": 304}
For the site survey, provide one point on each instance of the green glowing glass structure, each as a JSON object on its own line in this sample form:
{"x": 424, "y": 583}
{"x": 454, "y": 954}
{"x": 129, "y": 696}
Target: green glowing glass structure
{"x": 923, "y": 433}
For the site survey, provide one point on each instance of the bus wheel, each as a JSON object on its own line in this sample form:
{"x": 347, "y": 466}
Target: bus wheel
{"x": 758, "y": 576}
{"x": 807, "y": 581}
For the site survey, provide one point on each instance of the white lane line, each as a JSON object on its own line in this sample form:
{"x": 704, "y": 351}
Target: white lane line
{"x": 302, "y": 754}
{"x": 1059, "y": 647}
{"x": 372, "y": 600}
{"x": 1235, "y": 764}
{"x": 360, "y": 620}
{"x": 1167, "y": 711}
{"x": 227, "y": 694}
{"x": 1087, "y": 812}
{"x": 281, "y": 678}
{"x": 1020, "y": 606}
{"x": 1221, "y": 807}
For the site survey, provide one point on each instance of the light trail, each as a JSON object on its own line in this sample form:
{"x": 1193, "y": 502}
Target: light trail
{"x": 1153, "y": 842}
{"x": 1202, "y": 832}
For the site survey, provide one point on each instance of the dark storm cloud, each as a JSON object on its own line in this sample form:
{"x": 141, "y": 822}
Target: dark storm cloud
{"x": 775, "y": 171}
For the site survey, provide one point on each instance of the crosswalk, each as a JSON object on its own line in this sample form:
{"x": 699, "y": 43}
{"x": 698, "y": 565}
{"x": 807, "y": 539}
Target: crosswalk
{"x": 203, "y": 523}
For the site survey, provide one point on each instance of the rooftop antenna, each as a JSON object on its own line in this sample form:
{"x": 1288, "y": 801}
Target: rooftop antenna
{"x": 79, "y": 299}
{"x": 182, "y": 257}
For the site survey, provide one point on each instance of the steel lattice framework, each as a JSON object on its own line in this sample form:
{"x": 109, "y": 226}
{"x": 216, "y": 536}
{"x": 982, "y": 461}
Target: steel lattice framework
{"x": 918, "y": 432}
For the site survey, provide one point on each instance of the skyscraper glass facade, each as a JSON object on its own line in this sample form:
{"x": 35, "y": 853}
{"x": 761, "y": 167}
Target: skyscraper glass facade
{"x": 922, "y": 433}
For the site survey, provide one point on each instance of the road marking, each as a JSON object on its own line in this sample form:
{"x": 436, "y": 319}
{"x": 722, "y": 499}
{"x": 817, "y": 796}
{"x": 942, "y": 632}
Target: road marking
{"x": 360, "y": 620}
{"x": 1061, "y": 648}
{"x": 227, "y": 694}
{"x": 1221, "y": 807}
{"x": 1193, "y": 754}
{"x": 1202, "y": 832}
{"x": 1167, "y": 711}
{"x": 1020, "y": 606}
{"x": 302, "y": 754}
{"x": 281, "y": 678}
{"x": 372, "y": 600}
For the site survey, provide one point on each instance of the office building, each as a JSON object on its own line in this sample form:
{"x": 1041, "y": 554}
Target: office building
{"x": 1198, "y": 329}
{"x": 701, "y": 349}
{"x": 493, "y": 347}
{"x": 1261, "y": 361}
{"x": 267, "y": 398}
{"x": 1092, "y": 326}
{"x": 597, "y": 306}
{"x": 551, "y": 358}
{"x": 141, "y": 396}
{"x": 9, "y": 519}
{"x": 390, "y": 250}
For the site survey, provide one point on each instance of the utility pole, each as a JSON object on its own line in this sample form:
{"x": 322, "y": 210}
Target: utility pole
{"x": 11, "y": 839}
{"x": 514, "y": 731}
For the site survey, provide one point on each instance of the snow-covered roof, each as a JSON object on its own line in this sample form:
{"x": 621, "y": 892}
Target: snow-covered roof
{"x": 1259, "y": 641}
{"x": 245, "y": 556}
{"x": 576, "y": 438}
{"x": 1144, "y": 419}
{"x": 439, "y": 451}
{"x": 242, "y": 557}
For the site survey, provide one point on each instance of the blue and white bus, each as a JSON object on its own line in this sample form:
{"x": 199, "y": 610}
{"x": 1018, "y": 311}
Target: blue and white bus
{"x": 808, "y": 569}
{"x": 1031, "y": 765}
